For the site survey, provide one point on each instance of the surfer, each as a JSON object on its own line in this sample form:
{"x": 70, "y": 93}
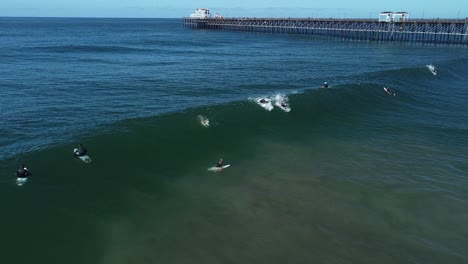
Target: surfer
{"x": 432, "y": 69}
{"x": 283, "y": 104}
{"x": 23, "y": 172}
{"x": 325, "y": 85}
{"x": 220, "y": 163}
{"x": 263, "y": 101}
{"x": 81, "y": 151}
{"x": 389, "y": 91}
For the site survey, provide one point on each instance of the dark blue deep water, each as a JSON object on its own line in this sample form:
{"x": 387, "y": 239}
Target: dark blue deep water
{"x": 349, "y": 175}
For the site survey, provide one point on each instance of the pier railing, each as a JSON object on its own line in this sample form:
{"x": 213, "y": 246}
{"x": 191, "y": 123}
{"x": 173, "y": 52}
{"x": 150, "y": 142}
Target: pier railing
{"x": 437, "y": 31}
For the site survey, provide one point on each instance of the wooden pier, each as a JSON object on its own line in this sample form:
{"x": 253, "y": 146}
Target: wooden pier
{"x": 435, "y": 31}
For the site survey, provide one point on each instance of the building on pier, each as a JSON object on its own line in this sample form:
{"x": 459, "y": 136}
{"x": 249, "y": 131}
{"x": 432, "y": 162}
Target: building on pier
{"x": 201, "y": 13}
{"x": 400, "y": 16}
{"x": 388, "y": 16}
{"x": 385, "y": 16}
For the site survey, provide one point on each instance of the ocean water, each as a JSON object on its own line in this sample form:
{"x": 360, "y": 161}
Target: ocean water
{"x": 349, "y": 175}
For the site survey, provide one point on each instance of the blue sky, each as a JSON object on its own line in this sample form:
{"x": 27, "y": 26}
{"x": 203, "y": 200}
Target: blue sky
{"x": 233, "y": 8}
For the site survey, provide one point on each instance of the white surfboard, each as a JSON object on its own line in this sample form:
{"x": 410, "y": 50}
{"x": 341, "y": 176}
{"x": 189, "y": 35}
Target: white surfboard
{"x": 386, "y": 90}
{"x": 21, "y": 181}
{"x": 219, "y": 168}
{"x": 84, "y": 158}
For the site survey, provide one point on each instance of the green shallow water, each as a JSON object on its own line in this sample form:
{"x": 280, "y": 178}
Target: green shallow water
{"x": 303, "y": 187}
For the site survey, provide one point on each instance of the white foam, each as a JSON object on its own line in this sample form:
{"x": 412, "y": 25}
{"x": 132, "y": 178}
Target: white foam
{"x": 204, "y": 121}
{"x": 432, "y": 69}
{"x": 21, "y": 181}
{"x": 267, "y": 105}
{"x": 281, "y": 99}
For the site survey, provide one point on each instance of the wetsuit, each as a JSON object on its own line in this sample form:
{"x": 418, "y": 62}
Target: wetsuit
{"x": 22, "y": 173}
{"x": 81, "y": 151}
{"x": 220, "y": 164}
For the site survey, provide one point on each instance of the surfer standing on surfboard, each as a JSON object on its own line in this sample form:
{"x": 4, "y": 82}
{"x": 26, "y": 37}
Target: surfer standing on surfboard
{"x": 220, "y": 163}
{"x": 81, "y": 151}
{"x": 23, "y": 172}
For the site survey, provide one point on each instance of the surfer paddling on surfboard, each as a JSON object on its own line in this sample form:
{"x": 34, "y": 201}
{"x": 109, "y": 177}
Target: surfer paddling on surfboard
{"x": 80, "y": 151}
{"x": 23, "y": 172}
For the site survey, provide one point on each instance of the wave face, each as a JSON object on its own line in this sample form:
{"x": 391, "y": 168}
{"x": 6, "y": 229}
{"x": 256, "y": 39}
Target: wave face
{"x": 350, "y": 174}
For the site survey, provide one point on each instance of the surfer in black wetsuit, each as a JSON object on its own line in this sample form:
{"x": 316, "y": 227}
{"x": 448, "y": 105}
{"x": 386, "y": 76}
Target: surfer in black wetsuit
{"x": 81, "y": 151}
{"x": 284, "y": 104}
{"x": 23, "y": 172}
{"x": 388, "y": 91}
{"x": 325, "y": 85}
{"x": 220, "y": 163}
{"x": 263, "y": 101}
